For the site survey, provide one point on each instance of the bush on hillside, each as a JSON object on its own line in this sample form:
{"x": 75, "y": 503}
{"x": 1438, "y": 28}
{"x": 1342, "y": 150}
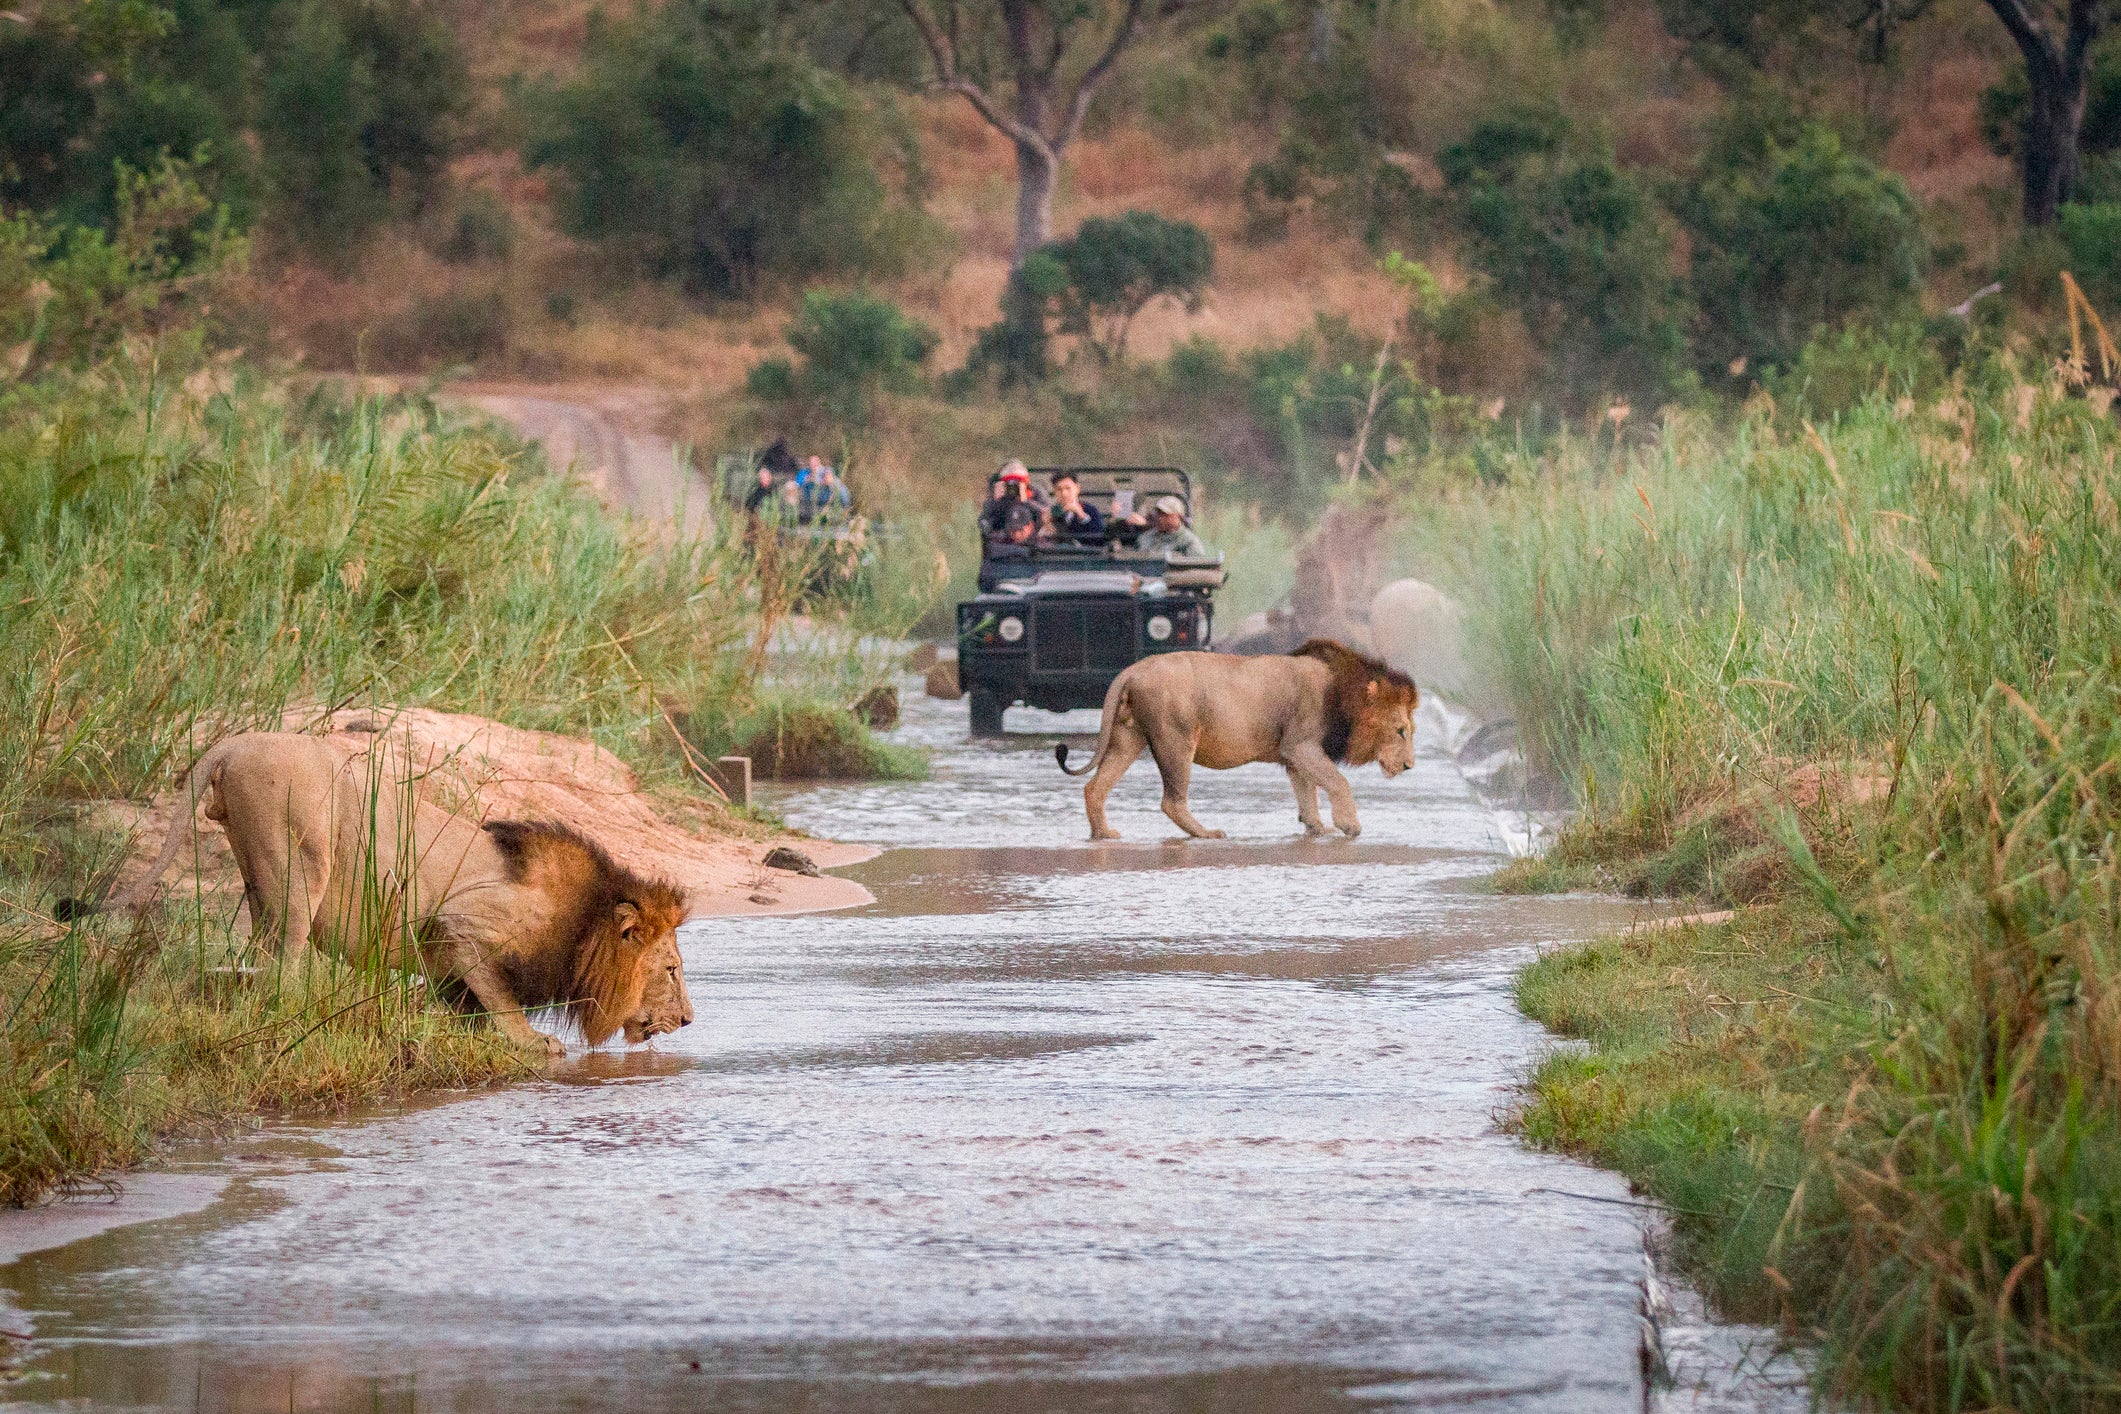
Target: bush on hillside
{"x": 359, "y": 105}
{"x": 68, "y": 295}
{"x": 1117, "y": 265}
{"x": 854, "y": 346}
{"x": 1016, "y": 350}
{"x": 1794, "y": 236}
{"x": 1580, "y": 249}
{"x": 715, "y": 156}
{"x": 327, "y": 114}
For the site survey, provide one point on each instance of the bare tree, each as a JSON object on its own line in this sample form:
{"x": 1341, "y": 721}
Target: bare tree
{"x": 1044, "y": 115}
{"x": 2057, "y": 67}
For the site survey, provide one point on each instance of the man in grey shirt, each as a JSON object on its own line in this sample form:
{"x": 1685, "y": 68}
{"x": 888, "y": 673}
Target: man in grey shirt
{"x": 1168, "y": 534}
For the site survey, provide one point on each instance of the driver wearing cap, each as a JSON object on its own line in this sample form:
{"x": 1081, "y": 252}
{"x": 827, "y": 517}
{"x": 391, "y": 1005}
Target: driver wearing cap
{"x": 1168, "y": 534}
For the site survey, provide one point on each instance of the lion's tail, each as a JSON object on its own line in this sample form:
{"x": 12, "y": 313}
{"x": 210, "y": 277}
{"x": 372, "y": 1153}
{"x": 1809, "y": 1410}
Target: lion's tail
{"x": 203, "y": 777}
{"x": 1115, "y": 711}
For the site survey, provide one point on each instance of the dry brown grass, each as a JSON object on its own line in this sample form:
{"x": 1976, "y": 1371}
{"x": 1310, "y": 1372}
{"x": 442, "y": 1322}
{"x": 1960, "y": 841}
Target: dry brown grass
{"x": 1454, "y": 56}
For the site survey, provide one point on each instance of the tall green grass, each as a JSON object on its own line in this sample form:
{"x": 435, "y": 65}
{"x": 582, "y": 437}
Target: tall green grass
{"x": 179, "y": 560}
{"x": 1865, "y": 676}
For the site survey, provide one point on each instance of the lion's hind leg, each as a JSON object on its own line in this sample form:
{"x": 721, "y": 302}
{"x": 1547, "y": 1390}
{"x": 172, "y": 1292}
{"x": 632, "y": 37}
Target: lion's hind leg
{"x": 1122, "y": 751}
{"x": 1174, "y": 758}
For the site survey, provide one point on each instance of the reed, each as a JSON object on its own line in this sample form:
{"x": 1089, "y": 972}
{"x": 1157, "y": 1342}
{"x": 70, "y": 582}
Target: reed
{"x": 1861, "y": 679}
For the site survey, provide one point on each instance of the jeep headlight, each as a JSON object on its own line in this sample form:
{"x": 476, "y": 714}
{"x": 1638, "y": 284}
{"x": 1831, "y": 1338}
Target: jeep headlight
{"x": 1011, "y": 629}
{"x": 1159, "y": 627}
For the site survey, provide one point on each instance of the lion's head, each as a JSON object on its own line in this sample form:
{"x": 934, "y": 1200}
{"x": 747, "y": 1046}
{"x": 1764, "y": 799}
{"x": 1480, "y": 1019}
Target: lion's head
{"x": 1370, "y": 712}
{"x": 614, "y": 934}
{"x": 665, "y": 1005}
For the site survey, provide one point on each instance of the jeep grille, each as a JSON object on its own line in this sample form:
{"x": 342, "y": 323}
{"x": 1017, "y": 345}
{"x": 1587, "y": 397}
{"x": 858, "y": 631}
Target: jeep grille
{"x": 1080, "y": 638}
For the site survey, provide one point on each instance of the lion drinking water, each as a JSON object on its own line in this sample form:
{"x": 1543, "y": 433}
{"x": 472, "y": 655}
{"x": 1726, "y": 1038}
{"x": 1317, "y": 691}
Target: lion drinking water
{"x": 1321, "y": 704}
{"x": 337, "y": 851}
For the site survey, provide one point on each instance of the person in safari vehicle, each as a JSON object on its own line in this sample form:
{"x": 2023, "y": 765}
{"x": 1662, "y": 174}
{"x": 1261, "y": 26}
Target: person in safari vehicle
{"x": 1168, "y": 534}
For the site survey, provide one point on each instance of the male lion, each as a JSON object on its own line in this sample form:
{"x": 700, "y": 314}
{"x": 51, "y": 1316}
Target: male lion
{"x": 336, "y": 849}
{"x": 1321, "y": 704}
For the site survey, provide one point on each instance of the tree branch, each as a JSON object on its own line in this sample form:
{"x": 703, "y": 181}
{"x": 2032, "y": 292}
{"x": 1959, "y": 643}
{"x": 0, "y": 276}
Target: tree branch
{"x": 944, "y": 55}
{"x": 2024, "y": 28}
{"x": 1086, "y": 86}
{"x": 2084, "y": 18}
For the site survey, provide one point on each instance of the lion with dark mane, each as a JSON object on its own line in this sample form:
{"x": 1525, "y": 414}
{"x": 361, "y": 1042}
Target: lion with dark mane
{"x": 1322, "y": 704}
{"x": 337, "y": 849}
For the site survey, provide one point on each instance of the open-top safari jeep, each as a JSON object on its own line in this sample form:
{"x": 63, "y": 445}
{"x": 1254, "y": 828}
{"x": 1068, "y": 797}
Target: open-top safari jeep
{"x": 1054, "y": 623}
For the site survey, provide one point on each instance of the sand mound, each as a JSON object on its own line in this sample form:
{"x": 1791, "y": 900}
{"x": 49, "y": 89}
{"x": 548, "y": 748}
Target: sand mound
{"x": 493, "y": 771}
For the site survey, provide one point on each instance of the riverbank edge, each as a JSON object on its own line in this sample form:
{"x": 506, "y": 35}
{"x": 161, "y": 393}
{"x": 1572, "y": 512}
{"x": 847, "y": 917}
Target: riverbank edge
{"x": 1719, "y": 1361}
{"x": 146, "y": 1194}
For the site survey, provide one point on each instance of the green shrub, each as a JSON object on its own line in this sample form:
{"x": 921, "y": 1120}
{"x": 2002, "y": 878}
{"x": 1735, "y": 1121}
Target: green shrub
{"x": 2092, "y": 236}
{"x": 483, "y": 228}
{"x": 359, "y": 103}
{"x": 1015, "y": 350}
{"x": 796, "y": 739}
{"x": 1790, "y": 237}
{"x": 771, "y": 380}
{"x": 1115, "y": 266}
{"x": 713, "y": 154}
{"x": 68, "y": 295}
{"x": 854, "y": 346}
{"x": 1580, "y": 249}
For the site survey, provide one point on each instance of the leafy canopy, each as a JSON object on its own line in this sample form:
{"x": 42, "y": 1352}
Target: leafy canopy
{"x": 717, "y": 156}
{"x": 854, "y": 346}
{"x": 1115, "y": 266}
{"x": 1794, "y": 236}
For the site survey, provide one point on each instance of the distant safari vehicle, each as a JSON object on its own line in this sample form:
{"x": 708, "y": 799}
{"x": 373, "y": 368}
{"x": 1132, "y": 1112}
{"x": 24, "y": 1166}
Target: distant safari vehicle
{"x": 837, "y": 547}
{"x": 1055, "y": 623}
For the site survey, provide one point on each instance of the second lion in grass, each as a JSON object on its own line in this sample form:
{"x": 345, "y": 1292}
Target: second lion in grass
{"x": 339, "y": 852}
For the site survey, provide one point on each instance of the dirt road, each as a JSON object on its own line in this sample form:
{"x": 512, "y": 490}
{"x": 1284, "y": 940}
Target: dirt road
{"x": 605, "y": 435}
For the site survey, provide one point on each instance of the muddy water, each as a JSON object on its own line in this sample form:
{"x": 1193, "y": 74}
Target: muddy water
{"x": 1150, "y": 1126}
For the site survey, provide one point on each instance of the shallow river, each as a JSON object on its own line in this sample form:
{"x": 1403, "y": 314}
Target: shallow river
{"x": 1149, "y": 1126}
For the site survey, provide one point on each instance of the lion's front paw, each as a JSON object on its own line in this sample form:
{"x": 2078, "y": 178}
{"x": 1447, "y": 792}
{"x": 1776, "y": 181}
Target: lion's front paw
{"x": 1352, "y": 828}
{"x": 1215, "y": 834}
{"x": 1314, "y": 830}
{"x": 1104, "y": 834}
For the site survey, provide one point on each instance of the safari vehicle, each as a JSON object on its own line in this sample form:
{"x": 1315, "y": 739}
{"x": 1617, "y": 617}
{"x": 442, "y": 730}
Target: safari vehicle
{"x": 1055, "y": 623}
{"x": 840, "y": 549}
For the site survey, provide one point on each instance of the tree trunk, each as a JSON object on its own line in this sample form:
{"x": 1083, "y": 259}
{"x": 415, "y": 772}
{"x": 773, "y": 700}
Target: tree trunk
{"x": 2052, "y": 120}
{"x": 1037, "y": 170}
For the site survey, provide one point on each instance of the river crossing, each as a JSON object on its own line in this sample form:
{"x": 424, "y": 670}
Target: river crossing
{"x": 1139, "y": 1127}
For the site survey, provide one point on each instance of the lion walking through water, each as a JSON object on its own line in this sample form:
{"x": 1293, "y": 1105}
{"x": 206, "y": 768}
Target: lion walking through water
{"x": 1321, "y": 705}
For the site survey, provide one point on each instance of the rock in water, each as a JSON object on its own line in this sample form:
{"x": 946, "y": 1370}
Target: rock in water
{"x": 923, "y": 657}
{"x": 942, "y": 682}
{"x": 793, "y": 861}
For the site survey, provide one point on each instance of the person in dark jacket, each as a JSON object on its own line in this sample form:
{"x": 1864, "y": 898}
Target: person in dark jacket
{"x": 1073, "y": 517}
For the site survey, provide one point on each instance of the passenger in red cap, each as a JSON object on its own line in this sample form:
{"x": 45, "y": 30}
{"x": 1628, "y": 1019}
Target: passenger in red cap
{"x": 1012, "y": 488}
